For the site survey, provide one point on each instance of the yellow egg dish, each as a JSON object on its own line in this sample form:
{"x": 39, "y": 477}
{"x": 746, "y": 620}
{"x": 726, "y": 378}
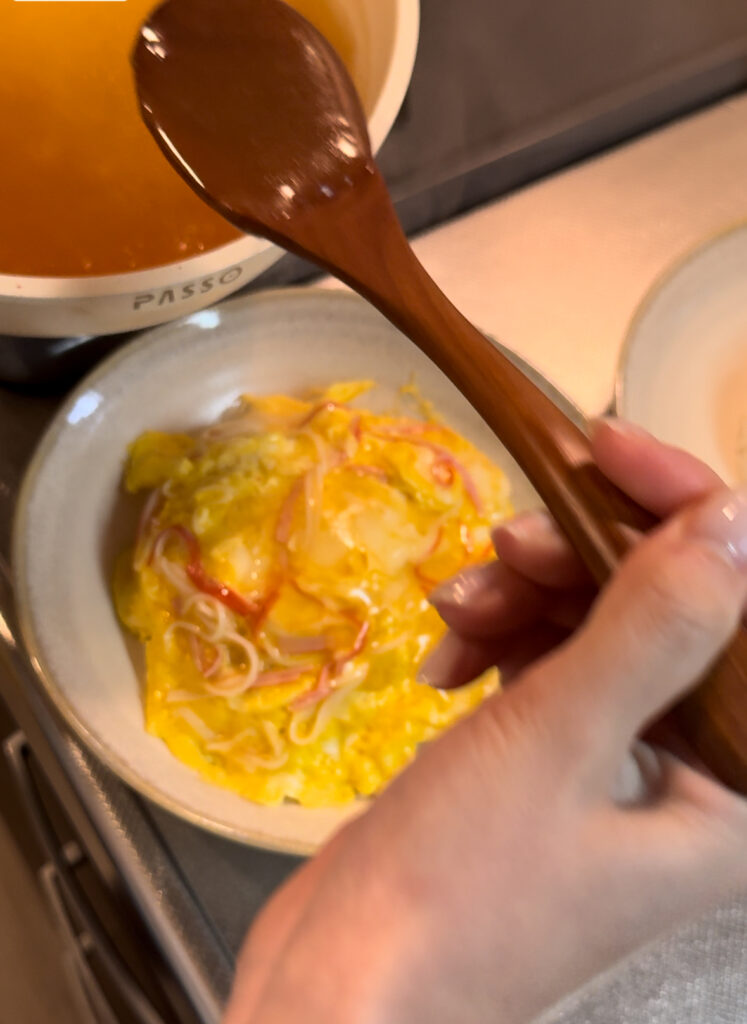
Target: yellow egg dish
{"x": 279, "y": 582}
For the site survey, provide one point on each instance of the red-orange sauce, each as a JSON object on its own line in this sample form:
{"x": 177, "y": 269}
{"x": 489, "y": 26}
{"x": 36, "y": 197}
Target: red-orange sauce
{"x": 83, "y": 187}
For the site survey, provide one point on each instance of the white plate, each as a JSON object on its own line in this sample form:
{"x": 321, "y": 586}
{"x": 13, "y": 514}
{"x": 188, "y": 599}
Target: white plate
{"x": 73, "y": 518}
{"x": 683, "y": 372}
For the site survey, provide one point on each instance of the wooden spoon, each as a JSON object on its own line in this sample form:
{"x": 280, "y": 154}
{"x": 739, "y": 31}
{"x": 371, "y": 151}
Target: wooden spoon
{"x": 257, "y": 113}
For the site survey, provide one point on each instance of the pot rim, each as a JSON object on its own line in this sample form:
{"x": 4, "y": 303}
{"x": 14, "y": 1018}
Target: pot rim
{"x": 21, "y": 286}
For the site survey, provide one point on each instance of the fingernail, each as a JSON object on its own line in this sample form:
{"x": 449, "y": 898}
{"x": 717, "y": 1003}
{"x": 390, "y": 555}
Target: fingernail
{"x": 722, "y": 521}
{"x": 622, "y": 427}
{"x": 526, "y": 525}
{"x": 461, "y": 589}
{"x": 437, "y": 669}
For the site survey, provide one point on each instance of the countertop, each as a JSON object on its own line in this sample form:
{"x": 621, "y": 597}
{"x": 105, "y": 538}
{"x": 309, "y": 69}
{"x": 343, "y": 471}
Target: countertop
{"x": 556, "y": 270}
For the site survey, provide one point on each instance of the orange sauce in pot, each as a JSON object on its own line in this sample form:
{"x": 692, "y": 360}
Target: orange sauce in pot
{"x": 83, "y": 187}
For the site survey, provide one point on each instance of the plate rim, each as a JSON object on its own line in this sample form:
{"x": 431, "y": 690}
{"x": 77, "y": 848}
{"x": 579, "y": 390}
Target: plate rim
{"x": 660, "y": 282}
{"x": 50, "y": 689}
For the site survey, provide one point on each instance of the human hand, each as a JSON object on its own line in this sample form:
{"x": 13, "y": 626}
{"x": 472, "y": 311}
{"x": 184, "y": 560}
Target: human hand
{"x": 511, "y": 611}
{"x": 525, "y": 850}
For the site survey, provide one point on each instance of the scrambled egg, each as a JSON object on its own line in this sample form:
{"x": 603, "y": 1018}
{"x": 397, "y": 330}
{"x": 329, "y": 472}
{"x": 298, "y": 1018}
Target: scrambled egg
{"x": 279, "y": 582}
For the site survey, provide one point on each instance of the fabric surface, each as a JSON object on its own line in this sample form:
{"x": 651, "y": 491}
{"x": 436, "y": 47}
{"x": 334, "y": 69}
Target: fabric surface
{"x": 696, "y": 976}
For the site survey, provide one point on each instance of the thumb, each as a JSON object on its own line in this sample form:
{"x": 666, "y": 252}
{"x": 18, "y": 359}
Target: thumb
{"x": 664, "y": 618}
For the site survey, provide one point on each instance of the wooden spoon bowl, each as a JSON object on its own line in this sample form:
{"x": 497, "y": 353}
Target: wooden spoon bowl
{"x": 257, "y": 112}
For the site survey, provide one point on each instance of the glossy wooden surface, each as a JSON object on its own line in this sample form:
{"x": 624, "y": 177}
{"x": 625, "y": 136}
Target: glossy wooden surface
{"x": 258, "y": 114}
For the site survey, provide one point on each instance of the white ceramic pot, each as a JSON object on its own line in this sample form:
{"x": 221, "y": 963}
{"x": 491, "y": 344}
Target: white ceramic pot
{"x": 385, "y": 34}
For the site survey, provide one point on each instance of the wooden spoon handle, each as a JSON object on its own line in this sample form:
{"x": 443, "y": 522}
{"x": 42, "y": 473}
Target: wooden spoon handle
{"x": 713, "y": 718}
{"x": 365, "y": 247}
{"x": 556, "y": 457}
{"x": 553, "y": 452}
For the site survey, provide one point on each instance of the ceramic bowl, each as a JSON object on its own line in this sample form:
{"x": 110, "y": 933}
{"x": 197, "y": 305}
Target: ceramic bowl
{"x": 73, "y": 518}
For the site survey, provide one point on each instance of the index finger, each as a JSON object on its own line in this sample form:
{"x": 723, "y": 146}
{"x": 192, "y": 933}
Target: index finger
{"x": 658, "y": 476}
